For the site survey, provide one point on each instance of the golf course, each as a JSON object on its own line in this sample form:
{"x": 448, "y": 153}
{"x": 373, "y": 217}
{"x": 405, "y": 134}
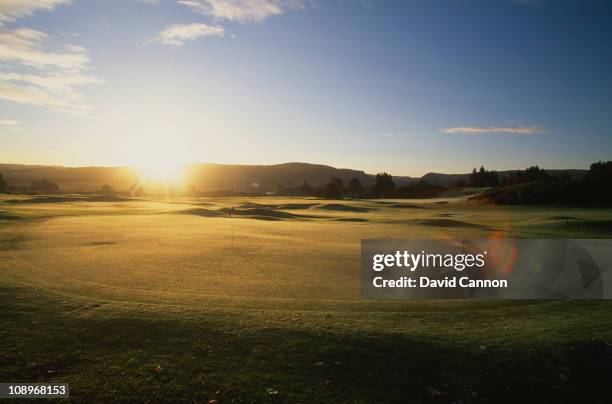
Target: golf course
{"x": 259, "y": 299}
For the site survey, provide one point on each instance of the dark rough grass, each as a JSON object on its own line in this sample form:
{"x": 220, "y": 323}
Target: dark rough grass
{"x": 343, "y": 208}
{"x": 570, "y": 227}
{"x": 296, "y": 206}
{"x": 9, "y": 216}
{"x": 352, "y": 219}
{"x": 447, "y": 223}
{"x": 405, "y": 206}
{"x": 132, "y": 355}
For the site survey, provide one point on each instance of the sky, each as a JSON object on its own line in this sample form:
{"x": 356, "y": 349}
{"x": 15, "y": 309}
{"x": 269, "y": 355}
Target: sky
{"x": 407, "y": 86}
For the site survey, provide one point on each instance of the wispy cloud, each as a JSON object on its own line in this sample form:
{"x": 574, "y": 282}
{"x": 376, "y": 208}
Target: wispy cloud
{"x": 31, "y": 74}
{"x": 10, "y": 124}
{"x": 242, "y": 10}
{"x": 24, "y": 46}
{"x": 11, "y": 10}
{"x": 178, "y": 34}
{"x": 485, "y": 130}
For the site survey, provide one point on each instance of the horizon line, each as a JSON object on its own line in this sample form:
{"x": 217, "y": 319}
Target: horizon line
{"x": 285, "y": 163}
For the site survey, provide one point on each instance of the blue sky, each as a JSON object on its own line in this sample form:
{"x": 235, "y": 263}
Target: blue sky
{"x": 408, "y": 86}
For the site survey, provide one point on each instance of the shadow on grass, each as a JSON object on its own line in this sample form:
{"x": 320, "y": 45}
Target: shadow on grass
{"x": 448, "y": 223}
{"x": 248, "y": 213}
{"x": 342, "y": 207}
{"x": 406, "y": 206}
{"x": 351, "y": 219}
{"x": 126, "y": 356}
{"x": 200, "y": 212}
{"x": 9, "y": 216}
{"x": 63, "y": 199}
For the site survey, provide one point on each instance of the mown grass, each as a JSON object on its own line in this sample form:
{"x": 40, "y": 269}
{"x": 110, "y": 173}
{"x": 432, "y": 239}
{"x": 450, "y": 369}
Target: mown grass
{"x": 482, "y": 352}
{"x": 153, "y": 301}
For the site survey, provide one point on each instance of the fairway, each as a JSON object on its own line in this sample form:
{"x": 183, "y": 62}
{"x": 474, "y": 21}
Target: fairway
{"x": 267, "y": 252}
{"x": 122, "y": 286}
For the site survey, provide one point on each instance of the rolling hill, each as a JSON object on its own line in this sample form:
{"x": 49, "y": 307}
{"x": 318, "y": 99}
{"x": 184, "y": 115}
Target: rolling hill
{"x": 216, "y": 177}
{"x": 205, "y": 177}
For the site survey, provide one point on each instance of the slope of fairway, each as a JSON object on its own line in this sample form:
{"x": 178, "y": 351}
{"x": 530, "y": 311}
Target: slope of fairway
{"x": 144, "y": 254}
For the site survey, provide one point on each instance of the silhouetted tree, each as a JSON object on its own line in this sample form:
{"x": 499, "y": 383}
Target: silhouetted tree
{"x": 355, "y": 187}
{"x": 600, "y": 171}
{"x": 3, "y": 185}
{"x": 384, "y": 185}
{"x": 333, "y": 189}
{"x": 306, "y": 189}
{"x": 535, "y": 186}
{"x": 44, "y": 186}
{"x": 107, "y": 190}
{"x": 530, "y": 174}
{"x": 484, "y": 178}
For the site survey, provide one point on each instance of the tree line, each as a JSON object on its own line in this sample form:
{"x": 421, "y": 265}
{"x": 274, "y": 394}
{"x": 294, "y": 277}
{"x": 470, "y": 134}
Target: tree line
{"x": 535, "y": 186}
{"x": 42, "y": 186}
{"x": 484, "y": 178}
{"x": 383, "y": 187}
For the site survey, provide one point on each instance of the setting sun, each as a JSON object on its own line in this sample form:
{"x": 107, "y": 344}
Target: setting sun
{"x": 167, "y": 171}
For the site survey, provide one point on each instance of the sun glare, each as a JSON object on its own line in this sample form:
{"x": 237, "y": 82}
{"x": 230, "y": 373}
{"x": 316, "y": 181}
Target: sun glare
{"x": 166, "y": 171}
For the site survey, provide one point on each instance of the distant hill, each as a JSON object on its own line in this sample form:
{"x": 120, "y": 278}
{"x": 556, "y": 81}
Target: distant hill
{"x": 215, "y": 177}
{"x": 447, "y": 180}
{"x": 79, "y": 179}
{"x": 205, "y": 177}
{"x": 268, "y": 177}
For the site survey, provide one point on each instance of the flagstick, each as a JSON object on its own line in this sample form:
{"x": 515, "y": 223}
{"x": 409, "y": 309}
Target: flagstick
{"x": 232, "y": 221}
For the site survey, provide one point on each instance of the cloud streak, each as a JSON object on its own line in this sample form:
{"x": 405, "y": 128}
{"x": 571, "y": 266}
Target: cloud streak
{"x": 488, "y": 130}
{"x": 31, "y": 74}
{"x": 11, "y": 10}
{"x": 178, "y": 34}
{"x": 242, "y": 10}
{"x": 10, "y": 124}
